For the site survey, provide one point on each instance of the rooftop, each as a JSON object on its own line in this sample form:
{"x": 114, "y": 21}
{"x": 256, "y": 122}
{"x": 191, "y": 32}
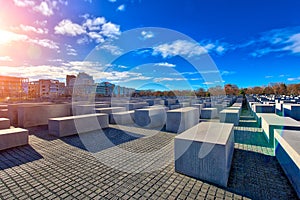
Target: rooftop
{"x": 51, "y": 168}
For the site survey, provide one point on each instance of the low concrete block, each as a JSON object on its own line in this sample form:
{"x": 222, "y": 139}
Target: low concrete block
{"x": 181, "y": 119}
{"x": 13, "y": 110}
{"x": 14, "y": 137}
{"x": 205, "y": 152}
{"x": 230, "y": 116}
{"x": 123, "y": 118}
{"x": 292, "y": 110}
{"x": 4, "y": 113}
{"x": 209, "y": 113}
{"x": 71, "y": 125}
{"x": 36, "y": 115}
{"x": 151, "y": 117}
{"x": 4, "y": 123}
{"x": 110, "y": 111}
{"x": 288, "y": 155}
{"x": 269, "y": 122}
{"x": 199, "y": 106}
{"x": 263, "y": 108}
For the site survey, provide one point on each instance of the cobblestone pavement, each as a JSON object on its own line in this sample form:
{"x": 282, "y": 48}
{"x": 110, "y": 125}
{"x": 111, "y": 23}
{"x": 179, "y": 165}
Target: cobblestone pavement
{"x": 51, "y": 168}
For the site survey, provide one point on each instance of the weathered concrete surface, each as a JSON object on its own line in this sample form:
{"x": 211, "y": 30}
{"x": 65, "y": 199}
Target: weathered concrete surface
{"x": 13, "y": 137}
{"x": 36, "y": 115}
{"x": 64, "y": 126}
{"x": 205, "y": 152}
{"x": 181, "y": 119}
{"x": 151, "y": 117}
{"x": 288, "y": 155}
{"x": 4, "y": 123}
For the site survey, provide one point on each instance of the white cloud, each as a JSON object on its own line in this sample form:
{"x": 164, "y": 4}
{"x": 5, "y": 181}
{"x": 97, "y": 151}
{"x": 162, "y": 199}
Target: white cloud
{"x": 268, "y": 76}
{"x": 225, "y": 73}
{"x": 41, "y": 23}
{"x": 5, "y": 58}
{"x": 24, "y": 3}
{"x": 110, "y": 30}
{"x": 94, "y": 29}
{"x": 121, "y": 8}
{"x": 70, "y": 50}
{"x": 45, "y": 43}
{"x": 27, "y": 28}
{"x": 112, "y": 1}
{"x": 147, "y": 34}
{"x": 168, "y": 79}
{"x": 114, "y": 50}
{"x": 96, "y": 36}
{"x": 44, "y": 9}
{"x": 94, "y": 24}
{"x": 286, "y": 40}
{"x": 294, "y": 79}
{"x": 294, "y": 42}
{"x": 179, "y": 47}
{"x": 8, "y": 37}
{"x": 67, "y": 27}
{"x": 165, "y": 64}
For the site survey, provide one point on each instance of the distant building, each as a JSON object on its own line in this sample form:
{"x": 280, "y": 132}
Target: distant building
{"x": 33, "y": 89}
{"x": 15, "y": 87}
{"x": 84, "y": 85}
{"x": 105, "y": 89}
{"x": 49, "y": 88}
{"x": 70, "y": 82}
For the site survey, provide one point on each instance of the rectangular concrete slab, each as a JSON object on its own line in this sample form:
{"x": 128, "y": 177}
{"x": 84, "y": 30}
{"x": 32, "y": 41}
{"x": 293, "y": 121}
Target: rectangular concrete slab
{"x": 151, "y": 117}
{"x": 209, "y": 113}
{"x": 230, "y": 116}
{"x": 269, "y": 122}
{"x": 36, "y": 115}
{"x": 64, "y": 126}
{"x": 288, "y": 155}
{"x": 14, "y": 137}
{"x": 4, "y": 123}
{"x": 205, "y": 152}
{"x": 123, "y": 118}
{"x": 181, "y": 119}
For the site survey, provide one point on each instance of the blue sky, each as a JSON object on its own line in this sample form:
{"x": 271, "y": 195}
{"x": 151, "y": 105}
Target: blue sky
{"x": 250, "y": 42}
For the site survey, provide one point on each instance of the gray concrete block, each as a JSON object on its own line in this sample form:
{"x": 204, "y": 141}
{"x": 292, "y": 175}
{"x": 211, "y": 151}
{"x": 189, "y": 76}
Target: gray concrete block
{"x": 288, "y": 155}
{"x": 199, "y": 106}
{"x": 205, "y": 152}
{"x": 230, "y": 116}
{"x": 151, "y": 117}
{"x": 181, "y": 119}
{"x": 269, "y": 122}
{"x": 71, "y": 125}
{"x": 4, "y": 123}
{"x": 36, "y": 115}
{"x": 4, "y": 113}
{"x": 208, "y": 113}
{"x": 123, "y": 118}
{"x": 13, "y": 138}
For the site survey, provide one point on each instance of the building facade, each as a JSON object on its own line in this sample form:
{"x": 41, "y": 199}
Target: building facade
{"x": 13, "y": 87}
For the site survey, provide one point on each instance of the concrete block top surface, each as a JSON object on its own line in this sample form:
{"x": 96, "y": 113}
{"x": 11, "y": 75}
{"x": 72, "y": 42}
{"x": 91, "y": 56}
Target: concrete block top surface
{"x": 230, "y": 111}
{"x": 208, "y": 132}
{"x": 110, "y": 108}
{"x": 77, "y": 116}
{"x": 180, "y": 110}
{"x": 124, "y": 112}
{"x": 290, "y": 141}
{"x": 209, "y": 109}
{"x": 12, "y": 130}
{"x": 274, "y": 119}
